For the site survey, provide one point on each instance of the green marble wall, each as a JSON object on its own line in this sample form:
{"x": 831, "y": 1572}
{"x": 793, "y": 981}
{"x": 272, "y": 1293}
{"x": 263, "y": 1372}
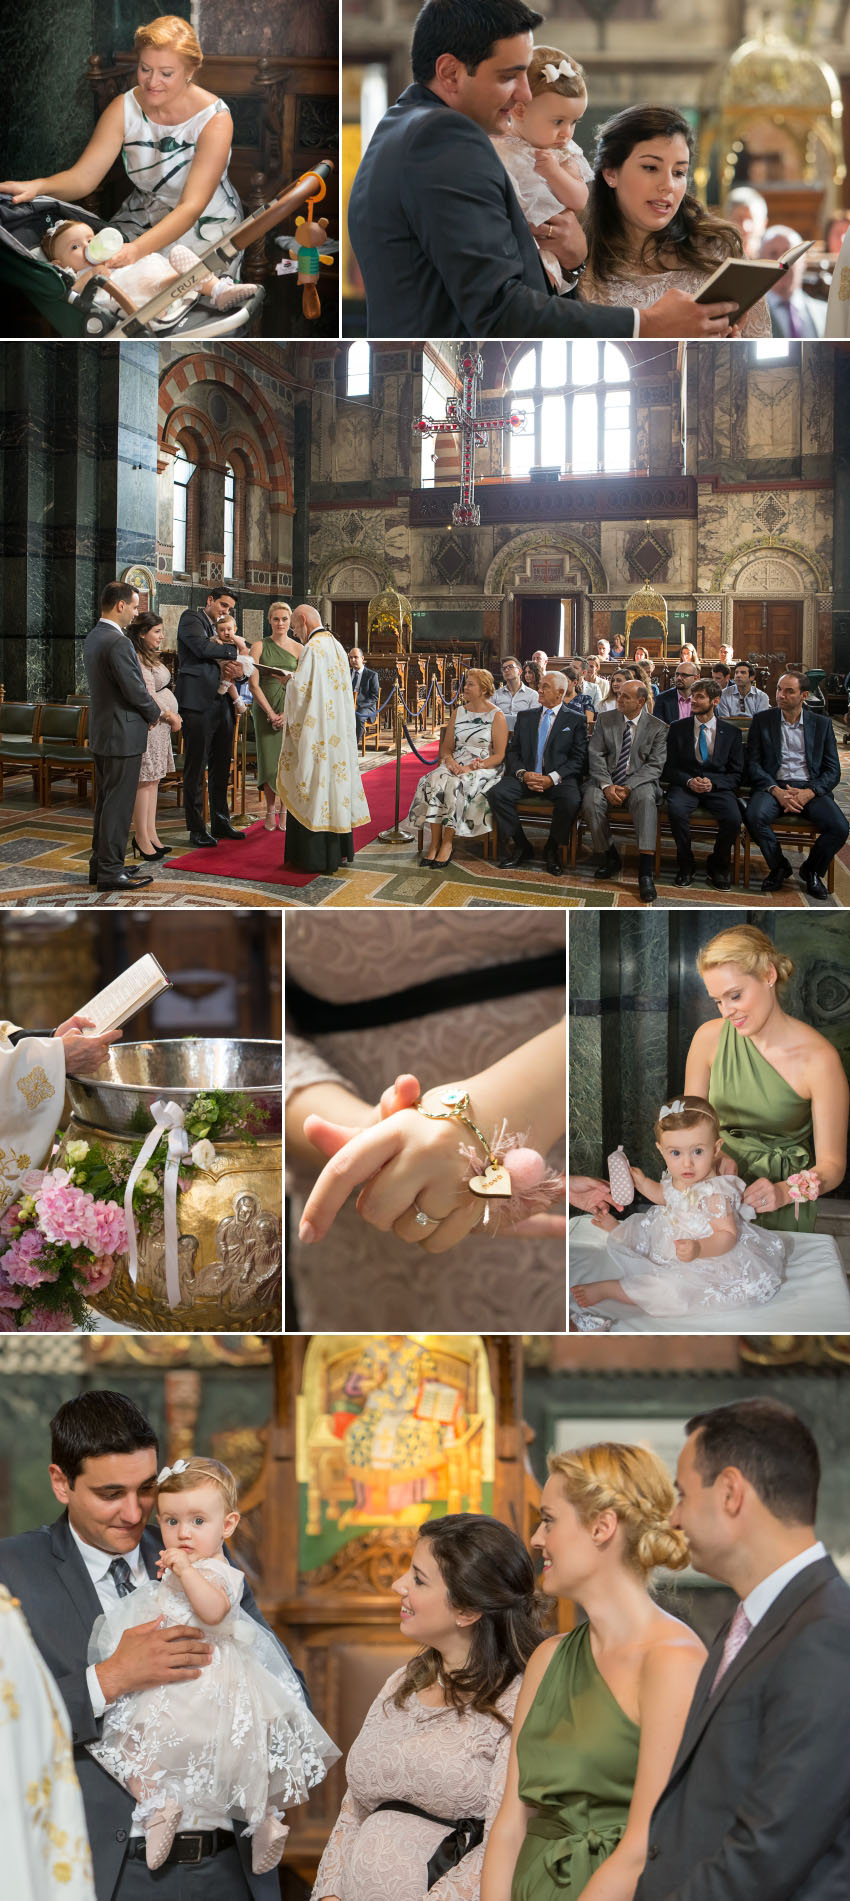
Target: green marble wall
{"x": 636, "y": 999}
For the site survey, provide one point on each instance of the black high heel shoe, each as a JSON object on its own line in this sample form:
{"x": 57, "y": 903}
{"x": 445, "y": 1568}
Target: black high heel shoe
{"x": 138, "y": 853}
{"x": 162, "y": 851}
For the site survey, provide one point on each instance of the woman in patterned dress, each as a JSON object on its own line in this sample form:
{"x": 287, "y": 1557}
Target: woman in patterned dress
{"x": 146, "y": 633}
{"x": 646, "y": 233}
{"x": 426, "y": 1773}
{"x": 174, "y": 139}
{"x": 451, "y": 797}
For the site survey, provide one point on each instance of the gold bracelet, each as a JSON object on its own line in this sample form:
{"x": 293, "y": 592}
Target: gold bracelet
{"x": 495, "y": 1179}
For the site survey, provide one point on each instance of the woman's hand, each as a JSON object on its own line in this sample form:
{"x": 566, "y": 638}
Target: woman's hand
{"x": 406, "y": 1159}
{"x": 591, "y": 1195}
{"x": 765, "y": 1196}
{"x": 726, "y": 1164}
{"x": 23, "y": 191}
{"x": 128, "y": 254}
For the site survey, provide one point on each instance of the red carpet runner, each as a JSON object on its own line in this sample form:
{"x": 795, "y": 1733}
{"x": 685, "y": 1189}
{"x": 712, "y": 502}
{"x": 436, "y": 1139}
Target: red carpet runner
{"x": 263, "y": 863}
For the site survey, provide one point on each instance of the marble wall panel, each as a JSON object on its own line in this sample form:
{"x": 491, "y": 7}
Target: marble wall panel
{"x": 307, "y": 28}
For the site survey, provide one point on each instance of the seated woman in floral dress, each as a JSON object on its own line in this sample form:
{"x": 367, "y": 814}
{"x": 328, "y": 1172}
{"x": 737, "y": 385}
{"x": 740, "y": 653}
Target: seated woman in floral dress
{"x": 451, "y": 797}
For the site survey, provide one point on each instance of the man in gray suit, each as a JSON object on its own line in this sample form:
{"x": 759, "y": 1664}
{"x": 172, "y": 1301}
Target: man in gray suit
{"x": 757, "y": 1807}
{"x": 628, "y": 748}
{"x": 103, "y": 1470}
{"x": 120, "y": 711}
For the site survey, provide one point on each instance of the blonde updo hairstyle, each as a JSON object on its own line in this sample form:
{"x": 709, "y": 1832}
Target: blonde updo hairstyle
{"x": 279, "y": 606}
{"x": 567, "y": 85}
{"x": 202, "y": 1472}
{"x": 634, "y": 1484}
{"x": 172, "y": 32}
{"x": 749, "y": 948}
{"x": 485, "y": 679}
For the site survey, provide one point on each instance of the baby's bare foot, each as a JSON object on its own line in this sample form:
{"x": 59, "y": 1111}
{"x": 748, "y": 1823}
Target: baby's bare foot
{"x": 595, "y": 1291}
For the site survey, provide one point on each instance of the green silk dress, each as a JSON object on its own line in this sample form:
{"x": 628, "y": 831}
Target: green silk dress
{"x": 766, "y": 1127}
{"x": 268, "y": 741}
{"x": 577, "y": 1753}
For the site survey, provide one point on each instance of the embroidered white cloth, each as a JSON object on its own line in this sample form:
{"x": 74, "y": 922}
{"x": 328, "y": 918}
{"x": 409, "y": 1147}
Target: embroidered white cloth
{"x": 45, "y": 1844}
{"x": 319, "y": 772}
{"x": 32, "y": 1091}
{"x": 643, "y": 1250}
{"x": 838, "y": 307}
{"x": 236, "y": 1740}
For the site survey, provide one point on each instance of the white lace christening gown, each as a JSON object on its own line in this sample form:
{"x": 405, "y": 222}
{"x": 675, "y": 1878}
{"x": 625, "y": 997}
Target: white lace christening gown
{"x": 236, "y": 1741}
{"x": 644, "y": 1253}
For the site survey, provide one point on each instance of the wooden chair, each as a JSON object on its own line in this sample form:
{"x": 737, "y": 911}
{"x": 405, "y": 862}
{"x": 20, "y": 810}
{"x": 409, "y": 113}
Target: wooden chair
{"x": 62, "y": 738}
{"x": 19, "y": 748}
{"x": 539, "y": 812}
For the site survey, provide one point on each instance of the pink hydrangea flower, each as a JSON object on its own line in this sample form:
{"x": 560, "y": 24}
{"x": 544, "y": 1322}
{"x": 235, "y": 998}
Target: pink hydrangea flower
{"x": 23, "y": 1263}
{"x": 41, "y": 1320}
{"x": 98, "y": 1274}
{"x": 8, "y": 1296}
{"x": 65, "y": 1212}
{"x": 108, "y": 1229}
{"x": 7, "y": 1324}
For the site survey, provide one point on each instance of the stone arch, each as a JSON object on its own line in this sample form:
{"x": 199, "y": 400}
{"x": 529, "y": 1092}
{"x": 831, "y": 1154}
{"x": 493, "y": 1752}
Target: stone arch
{"x": 560, "y": 541}
{"x": 208, "y": 367}
{"x": 329, "y": 578}
{"x": 237, "y": 444}
{"x": 747, "y": 567}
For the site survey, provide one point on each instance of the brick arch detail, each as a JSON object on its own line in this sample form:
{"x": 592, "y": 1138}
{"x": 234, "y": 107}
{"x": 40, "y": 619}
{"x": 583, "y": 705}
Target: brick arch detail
{"x": 206, "y": 367}
{"x": 193, "y": 422}
{"x": 242, "y": 445}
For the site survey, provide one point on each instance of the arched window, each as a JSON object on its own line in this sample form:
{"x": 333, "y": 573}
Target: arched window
{"x": 577, "y": 399}
{"x": 359, "y": 370}
{"x": 183, "y": 472}
{"x": 229, "y": 519}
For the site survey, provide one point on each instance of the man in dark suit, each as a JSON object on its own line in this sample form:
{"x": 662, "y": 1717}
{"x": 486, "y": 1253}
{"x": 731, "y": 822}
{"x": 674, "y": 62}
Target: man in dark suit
{"x": 208, "y": 716}
{"x": 705, "y": 765}
{"x": 628, "y": 747}
{"x": 546, "y": 757}
{"x": 757, "y": 1807}
{"x": 675, "y": 702}
{"x": 366, "y": 685}
{"x": 103, "y": 1471}
{"x": 793, "y": 767}
{"x": 120, "y": 712}
{"x": 436, "y": 226}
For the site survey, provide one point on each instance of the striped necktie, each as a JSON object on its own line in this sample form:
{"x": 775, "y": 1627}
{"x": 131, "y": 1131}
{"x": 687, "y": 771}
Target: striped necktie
{"x": 621, "y": 770}
{"x": 122, "y": 1576}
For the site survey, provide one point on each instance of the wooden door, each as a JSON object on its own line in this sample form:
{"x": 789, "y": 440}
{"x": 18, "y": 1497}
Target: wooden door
{"x": 769, "y": 627}
{"x": 349, "y": 623}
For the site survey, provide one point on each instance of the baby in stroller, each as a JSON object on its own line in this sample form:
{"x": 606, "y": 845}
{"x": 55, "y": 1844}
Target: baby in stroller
{"x": 73, "y": 247}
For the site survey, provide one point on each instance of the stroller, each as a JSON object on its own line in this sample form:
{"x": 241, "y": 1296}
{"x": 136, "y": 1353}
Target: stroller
{"x": 47, "y": 286}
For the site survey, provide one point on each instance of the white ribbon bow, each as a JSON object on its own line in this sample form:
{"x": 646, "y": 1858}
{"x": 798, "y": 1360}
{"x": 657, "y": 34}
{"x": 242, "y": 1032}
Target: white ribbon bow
{"x": 566, "y": 70}
{"x": 168, "y": 1471}
{"x": 671, "y": 1109}
{"x": 168, "y": 1119}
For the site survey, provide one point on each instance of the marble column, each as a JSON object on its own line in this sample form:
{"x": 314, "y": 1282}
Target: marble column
{"x": 301, "y": 467}
{"x": 841, "y": 521}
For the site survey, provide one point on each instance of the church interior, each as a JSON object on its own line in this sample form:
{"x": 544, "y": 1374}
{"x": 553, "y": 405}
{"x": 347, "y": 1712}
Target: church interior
{"x": 303, "y": 1423}
{"x": 276, "y": 69}
{"x": 640, "y": 494}
{"x": 765, "y": 91}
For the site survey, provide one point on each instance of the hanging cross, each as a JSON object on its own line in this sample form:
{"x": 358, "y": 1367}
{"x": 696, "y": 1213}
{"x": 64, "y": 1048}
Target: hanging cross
{"x": 462, "y": 419}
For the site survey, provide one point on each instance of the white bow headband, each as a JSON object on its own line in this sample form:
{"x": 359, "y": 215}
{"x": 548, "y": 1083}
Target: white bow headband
{"x": 671, "y": 1109}
{"x": 169, "y": 1471}
{"x": 566, "y": 70}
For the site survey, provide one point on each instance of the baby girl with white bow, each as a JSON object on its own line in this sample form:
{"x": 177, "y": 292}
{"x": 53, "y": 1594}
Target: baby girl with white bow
{"x": 549, "y": 172}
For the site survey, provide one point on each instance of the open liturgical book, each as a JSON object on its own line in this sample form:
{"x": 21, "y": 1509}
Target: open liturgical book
{"x": 743, "y": 280}
{"x": 128, "y": 993}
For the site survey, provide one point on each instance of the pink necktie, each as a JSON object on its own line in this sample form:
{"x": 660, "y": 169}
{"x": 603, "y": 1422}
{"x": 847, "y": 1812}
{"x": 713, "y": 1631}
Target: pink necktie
{"x": 736, "y": 1637}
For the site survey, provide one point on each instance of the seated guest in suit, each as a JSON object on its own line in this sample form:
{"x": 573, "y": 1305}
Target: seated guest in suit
{"x": 793, "y": 767}
{"x": 545, "y": 759}
{"x": 758, "y": 1799}
{"x": 705, "y": 765}
{"x": 625, "y": 763}
{"x": 675, "y": 702}
{"x": 103, "y": 1471}
{"x": 366, "y": 685}
{"x": 742, "y": 698}
{"x": 435, "y": 223}
{"x": 515, "y": 695}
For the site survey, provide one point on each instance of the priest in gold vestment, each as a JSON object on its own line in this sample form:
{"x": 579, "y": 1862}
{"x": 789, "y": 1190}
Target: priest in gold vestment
{"x": 319, "y": 781}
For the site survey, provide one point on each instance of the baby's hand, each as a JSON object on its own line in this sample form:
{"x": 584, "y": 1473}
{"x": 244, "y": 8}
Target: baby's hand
{"x": 173, "y": 1560}
{"x": 547, "y": 164}
{"x": 686, "y": 1250}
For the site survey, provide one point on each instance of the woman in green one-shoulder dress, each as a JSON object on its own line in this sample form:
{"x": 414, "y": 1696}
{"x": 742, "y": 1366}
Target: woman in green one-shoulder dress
{"x": 778, "y": 1086}
{"x": 613, "y": 1693}
{"x": 277, "y": 650}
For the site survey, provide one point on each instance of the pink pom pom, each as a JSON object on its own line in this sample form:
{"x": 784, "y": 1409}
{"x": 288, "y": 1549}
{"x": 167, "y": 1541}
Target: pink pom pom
{"x": 526, "y": 1168}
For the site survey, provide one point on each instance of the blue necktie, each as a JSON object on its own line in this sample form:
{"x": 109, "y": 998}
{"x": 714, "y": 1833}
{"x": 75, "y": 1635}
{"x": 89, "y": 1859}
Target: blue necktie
{"x": 546, "y": 718}
{"x": 703, "y": 743}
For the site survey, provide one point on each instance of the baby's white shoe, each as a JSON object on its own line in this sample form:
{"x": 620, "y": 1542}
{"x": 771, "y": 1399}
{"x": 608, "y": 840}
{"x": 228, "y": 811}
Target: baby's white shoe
{"x": 267, "y": 1844}
{"x": 160, "y": 1832}
{"x": 226, "y": 295}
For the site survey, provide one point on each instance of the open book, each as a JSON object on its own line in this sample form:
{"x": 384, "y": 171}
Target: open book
{"x": 743, "y": 280}
{"x": 128, "y": 993}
